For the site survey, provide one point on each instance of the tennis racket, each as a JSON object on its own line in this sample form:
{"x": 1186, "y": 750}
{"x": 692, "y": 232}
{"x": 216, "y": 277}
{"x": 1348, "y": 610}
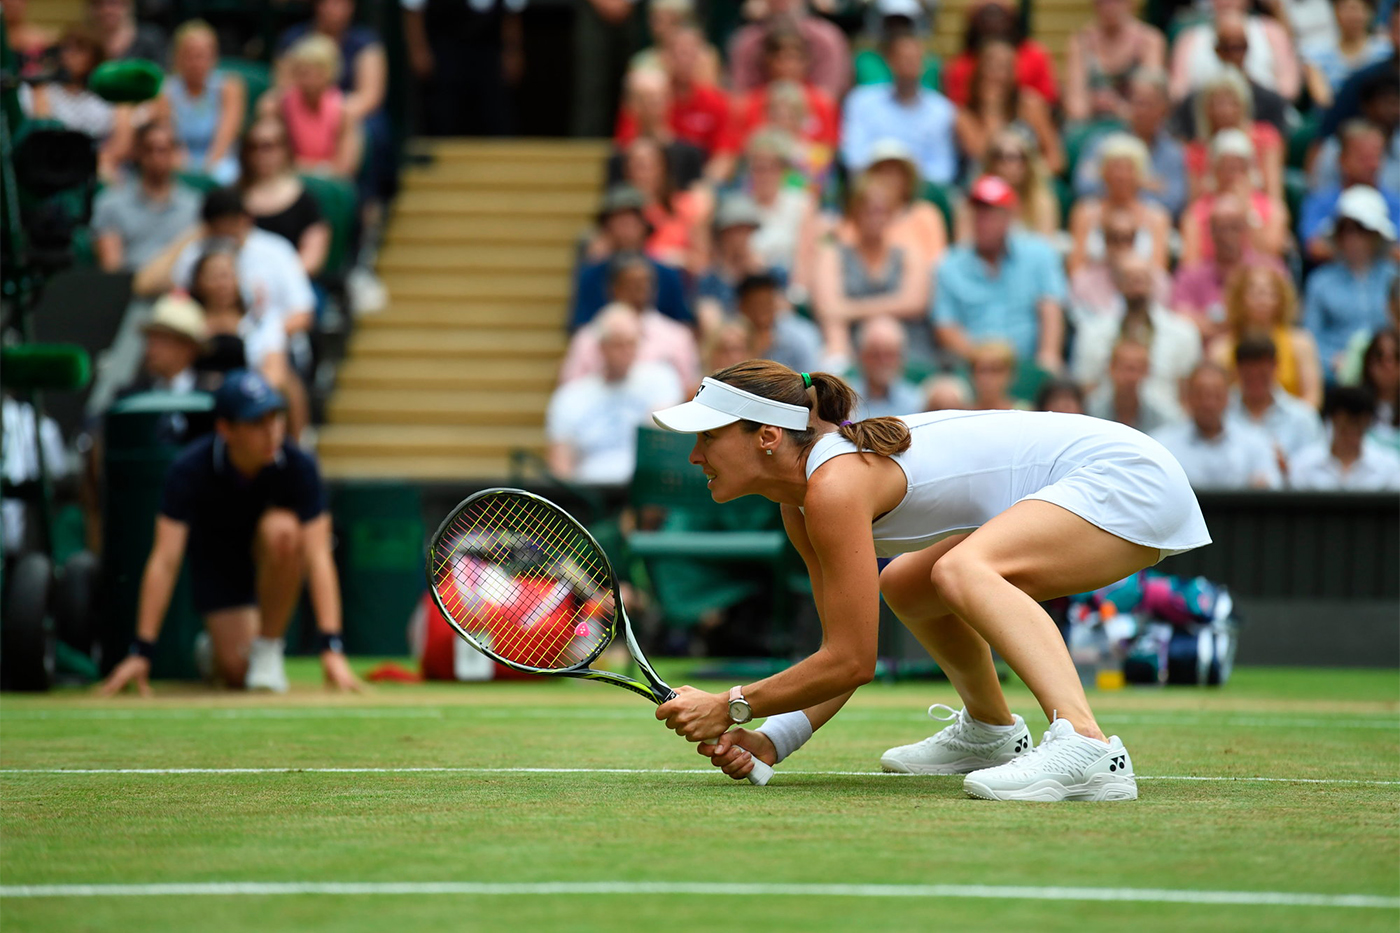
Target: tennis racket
{"x": 526, "y": 585}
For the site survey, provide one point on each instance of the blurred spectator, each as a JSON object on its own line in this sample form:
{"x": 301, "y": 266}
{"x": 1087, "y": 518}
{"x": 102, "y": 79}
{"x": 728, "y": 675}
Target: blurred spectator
{"x": 1351, "y": 47}
{"x": 1216, "y": 452}
{"x": 1126, "y": 167}
{"x": 1093, "y": 288}
{"x": 1350, "y": 461}
{"x": 664, "y": 18}
{"x": 325, "y": 135}
{"x": 998, "y": 21}
{"x": 785, "y": 62}
{"x": 828, "y": 56}
{"x": 592, "y": 421}
{"x": 898, "y": 18}
{"x": 880, "y": 383}
{"x": 276, "y": 197}
{"x": 1380, "y": 375}
{"x": 122, "y": 36}
{"x": 1103, "y": 56}
{"x": 726, "y": 344}
{"x": 991, "y": 368}
{"x": 648, "y": 103}
{"x": 1349, "y": 294}
{"x": 917, "y": 225}
{"x": 66, "y": 98}
{"x": 175, "y": 335}
{"x": 1260, "y": 401}
{"x": 698, "y": 112}
{"x": 677, "y": 218}
{"x": 905, "y": 110}
{"x": 1014, "y": 158}
{"x": 1173, "y": 343}
{"x": 1062, "y": 395}
{"x": 1380, "y": 75}
{"x": 35, "y": 46}
{"x": 1001, "y": 285}
{"x": 466, "y": 57}
{"x": 1148, "y": 107}
{"x": 1125, "y": 397}
{"x": 204, "y": 105}
{"x": 1359, "y": 161}
{"x": 1232, "y": 172}
{"x": 995, "y": 101}
{"x": 1260, "y": 45}
{"x": 1266, "y": 104}
{"x": 782, "y": 208}
{"x": 133, "y": 222}
{"x": 778, "y": 332}
{"x": 1262, "y": 302}
{"x": 731, "y": 260}
{"x": 364, "y": 81}
{"x": 623, "y": 228}
{"x": 946, "y": 392}
{"x": 633, "y": 287}
{"x": 1224, "y": 103}
{"x": 1311, "y": 22}
{"x": 1380, "y": 106}
{"x": 871, "y": 277}
{"x": 1199, "y": 288}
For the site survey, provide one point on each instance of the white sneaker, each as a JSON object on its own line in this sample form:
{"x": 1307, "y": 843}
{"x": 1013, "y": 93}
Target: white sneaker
{"x": 964, "y": 746}
{"x": 1064, "y": 766}
{"x": 265, "y": 668}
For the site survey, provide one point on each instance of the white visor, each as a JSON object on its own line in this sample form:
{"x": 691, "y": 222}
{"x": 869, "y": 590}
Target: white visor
{"x": 717, "y": 404}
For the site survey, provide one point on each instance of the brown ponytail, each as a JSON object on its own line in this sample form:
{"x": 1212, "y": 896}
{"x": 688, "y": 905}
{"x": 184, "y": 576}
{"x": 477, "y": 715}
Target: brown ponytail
{"x": 830, "y": 397}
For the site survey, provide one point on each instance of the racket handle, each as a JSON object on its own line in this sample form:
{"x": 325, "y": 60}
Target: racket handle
{"x": 761, "y": 773}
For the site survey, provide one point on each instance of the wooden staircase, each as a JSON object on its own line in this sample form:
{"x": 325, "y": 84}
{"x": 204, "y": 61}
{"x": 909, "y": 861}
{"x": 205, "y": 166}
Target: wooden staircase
{"x": 1052, "y": 23}
{"x": 477, "y": 260}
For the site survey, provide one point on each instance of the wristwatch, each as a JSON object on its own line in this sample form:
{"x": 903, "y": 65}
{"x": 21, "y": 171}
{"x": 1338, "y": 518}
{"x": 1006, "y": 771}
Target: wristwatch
{"x": 739, "y": 710}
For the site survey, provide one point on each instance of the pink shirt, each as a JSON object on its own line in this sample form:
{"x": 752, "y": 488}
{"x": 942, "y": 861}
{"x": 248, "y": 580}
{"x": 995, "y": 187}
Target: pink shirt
{"x": 314, "y": 133}
{"x": 662, "y": 339}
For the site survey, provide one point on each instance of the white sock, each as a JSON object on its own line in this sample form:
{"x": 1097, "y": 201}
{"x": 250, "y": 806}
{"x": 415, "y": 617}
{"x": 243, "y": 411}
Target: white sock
{"x": 991, "y": 728}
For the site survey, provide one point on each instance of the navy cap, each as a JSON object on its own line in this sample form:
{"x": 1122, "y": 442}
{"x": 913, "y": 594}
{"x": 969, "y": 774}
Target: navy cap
{"x": 246, "y": 396}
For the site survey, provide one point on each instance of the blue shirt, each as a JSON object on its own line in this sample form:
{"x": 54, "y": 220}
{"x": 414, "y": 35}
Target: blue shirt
{"x": 222, "y": 507}
{"x": 1319, "y": 206}
{"x": 872, "y": 113}
{"x": 1337, "y": 304}
{"x": 1000, "y": 305}
{"x": 902, "y": 398}
{"x": 591, "y": 293}
{"x": 1337, "y": 69}
{"x": 1168, "y": 171}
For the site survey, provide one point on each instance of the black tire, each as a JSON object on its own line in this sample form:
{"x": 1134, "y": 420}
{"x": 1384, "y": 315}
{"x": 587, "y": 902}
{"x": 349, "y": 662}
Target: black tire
{"x": 27, "y": 641}
{"x": 75, "y": 601}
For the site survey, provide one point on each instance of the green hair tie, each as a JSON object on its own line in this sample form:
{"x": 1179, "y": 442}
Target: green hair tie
{"x": 807, "y": 380}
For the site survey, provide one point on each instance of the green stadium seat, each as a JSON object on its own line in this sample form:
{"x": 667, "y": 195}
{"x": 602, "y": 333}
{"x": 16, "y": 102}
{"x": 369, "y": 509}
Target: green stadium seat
{"x": 257, "y": 78}
{"x": 198, "y": 181}
{"x": 337, "y": 199}
{"x": 1301, "y": 138}
{"x": 1079, "y": 135}
{"x": 937, "y": 195}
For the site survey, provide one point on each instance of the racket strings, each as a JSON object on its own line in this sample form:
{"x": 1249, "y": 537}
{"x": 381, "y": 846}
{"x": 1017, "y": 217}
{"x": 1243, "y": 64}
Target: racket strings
{"x": 520, "y": 578}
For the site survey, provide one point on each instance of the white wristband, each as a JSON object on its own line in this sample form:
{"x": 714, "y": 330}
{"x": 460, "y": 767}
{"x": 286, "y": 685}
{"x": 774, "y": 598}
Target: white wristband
{"x": 787, "y": 731}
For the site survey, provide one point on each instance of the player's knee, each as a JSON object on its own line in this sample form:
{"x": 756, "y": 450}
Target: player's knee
{"x": 280, "y": 534}
{"x": 951, "y": 575}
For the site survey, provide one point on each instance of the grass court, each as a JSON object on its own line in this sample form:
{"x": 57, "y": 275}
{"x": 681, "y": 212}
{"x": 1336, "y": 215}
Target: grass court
{"x": 1273, "y": 804}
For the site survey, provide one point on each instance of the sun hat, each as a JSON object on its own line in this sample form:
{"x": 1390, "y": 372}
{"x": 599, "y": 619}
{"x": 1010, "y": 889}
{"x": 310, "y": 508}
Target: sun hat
{"x": 717, "y": 404}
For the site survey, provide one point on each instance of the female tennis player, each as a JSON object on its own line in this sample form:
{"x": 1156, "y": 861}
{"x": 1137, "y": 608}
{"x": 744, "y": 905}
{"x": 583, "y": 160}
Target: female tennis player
{"x": 988, "y": 512}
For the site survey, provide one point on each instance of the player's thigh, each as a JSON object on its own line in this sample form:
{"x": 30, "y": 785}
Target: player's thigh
{"x": 1046, "y": 551}
{"x": 231, "y": 633}
{"x": 906, "y": 582}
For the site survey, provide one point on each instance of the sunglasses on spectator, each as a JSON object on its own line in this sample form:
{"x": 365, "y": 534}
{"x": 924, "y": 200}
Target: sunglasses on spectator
{"x": 1234, "y": 45}
{"x": 1119, "y": 237}
{"x": 256, "y": 144}
{"x": 1348, "y": 226}
{"x": 1008, "y": 155}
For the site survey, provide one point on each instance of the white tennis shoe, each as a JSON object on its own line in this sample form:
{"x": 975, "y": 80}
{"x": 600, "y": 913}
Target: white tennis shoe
{"x": 964, "y": 746}
{"x": 265, "y": 668}
{"x": 1064, "y": 766}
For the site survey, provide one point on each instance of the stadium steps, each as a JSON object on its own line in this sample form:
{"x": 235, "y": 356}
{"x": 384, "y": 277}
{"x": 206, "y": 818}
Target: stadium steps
{"x": 477, "y": 258}
{"x": 1052, "y": 23}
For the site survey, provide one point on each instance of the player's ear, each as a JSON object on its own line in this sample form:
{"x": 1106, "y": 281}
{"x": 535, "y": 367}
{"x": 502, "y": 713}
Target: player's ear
{"x": 769, "y": 437}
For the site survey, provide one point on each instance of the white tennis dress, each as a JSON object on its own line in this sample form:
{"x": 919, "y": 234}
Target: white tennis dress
{"x": 964, "y": 467}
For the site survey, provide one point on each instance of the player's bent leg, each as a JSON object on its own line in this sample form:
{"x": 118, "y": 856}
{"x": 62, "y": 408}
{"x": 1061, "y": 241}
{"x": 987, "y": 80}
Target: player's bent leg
{"x": 277, "y": 554}
{"x": 231, "y": 634}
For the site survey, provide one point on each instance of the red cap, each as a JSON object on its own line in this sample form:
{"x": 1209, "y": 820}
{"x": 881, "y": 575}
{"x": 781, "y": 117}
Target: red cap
{"x": 989, "y": 189}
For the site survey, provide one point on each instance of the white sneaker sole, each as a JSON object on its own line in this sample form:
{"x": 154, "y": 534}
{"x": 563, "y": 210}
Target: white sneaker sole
{"x": 961, "y": 766}
{"x": 1099, "y": 788}
{"x": 266, "y": 681}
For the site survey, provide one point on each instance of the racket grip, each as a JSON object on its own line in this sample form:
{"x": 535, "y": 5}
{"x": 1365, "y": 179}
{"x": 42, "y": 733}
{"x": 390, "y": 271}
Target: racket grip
{"x": 760, "y": 774}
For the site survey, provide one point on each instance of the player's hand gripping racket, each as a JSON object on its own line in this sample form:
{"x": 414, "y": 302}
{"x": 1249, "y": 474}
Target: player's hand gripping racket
{"x": 525, "y": 584}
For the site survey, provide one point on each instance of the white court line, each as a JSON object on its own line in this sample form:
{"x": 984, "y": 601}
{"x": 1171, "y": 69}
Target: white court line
{"x": 1000, "y": 892}
{"x": 668, "y": 771}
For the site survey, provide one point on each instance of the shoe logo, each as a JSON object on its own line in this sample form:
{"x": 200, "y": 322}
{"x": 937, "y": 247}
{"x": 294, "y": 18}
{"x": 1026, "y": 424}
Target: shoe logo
{"x": 1117, "y": 762}
{"x": 1023, "y": 743}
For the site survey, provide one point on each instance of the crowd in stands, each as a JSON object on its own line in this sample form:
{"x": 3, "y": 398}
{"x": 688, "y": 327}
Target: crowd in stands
{"x": 1191, "y": 230}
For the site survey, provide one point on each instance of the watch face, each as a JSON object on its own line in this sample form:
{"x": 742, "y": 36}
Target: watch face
{"x": 739, "y": 711}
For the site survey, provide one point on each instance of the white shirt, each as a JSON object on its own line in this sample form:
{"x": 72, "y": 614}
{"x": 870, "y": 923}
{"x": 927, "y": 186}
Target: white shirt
{"x": 775, "y": 240}
{"x": 1174, "y": 352}
{"x": 599, "y": 419}
{"x": 1290, "y": 422}
{"x": 1239, "y": 457}
{"x": 1376, "y": 470}
{"x": 270, "y": 275}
